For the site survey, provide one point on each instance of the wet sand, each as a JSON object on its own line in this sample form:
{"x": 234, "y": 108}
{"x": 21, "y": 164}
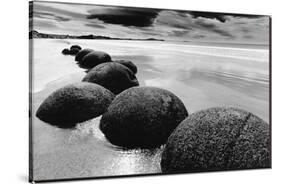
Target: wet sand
{"x": 202, "y": 76}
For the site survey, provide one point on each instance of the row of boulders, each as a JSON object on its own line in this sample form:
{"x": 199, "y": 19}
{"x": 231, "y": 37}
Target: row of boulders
{"x": 147, "y": 117}
{"x": 79, "y": 102}
{"x": 74, "y": 49}
{"x": 88, "y": 58}
{"x": 115, "y": 75}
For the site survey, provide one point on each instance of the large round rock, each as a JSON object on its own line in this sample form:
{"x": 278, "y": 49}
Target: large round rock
{"x": 94, "y": 58}
{"x": 142, "y": 117}
{"x": 218, "y": 139}
{"x": 112, "y": 76}
{"x": 79, "y": 56}
{"x": 74, "y": 103}
{"x": 128, "y": 64}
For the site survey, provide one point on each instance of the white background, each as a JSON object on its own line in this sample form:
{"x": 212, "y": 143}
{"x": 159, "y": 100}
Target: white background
{"x": 14, "y": 90}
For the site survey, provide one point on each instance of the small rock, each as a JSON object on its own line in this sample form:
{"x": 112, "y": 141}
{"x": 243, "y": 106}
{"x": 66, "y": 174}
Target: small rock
{"x": 73, "y": 51}
{"x": 93, "y": 59}
{"x": 75, "y": 47}
{"x": 74, "y": 103}
{"x": 218, "y": 139}
{"x": 65, "y": 51}
{"x": 128, "y": 64}
{"x": 113, "y": 76}
{"x": 82, "y": 53}
{"x": 142, "y": 117}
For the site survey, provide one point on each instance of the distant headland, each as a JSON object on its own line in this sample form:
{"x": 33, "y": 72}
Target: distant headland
{"x": 36, "y": 34}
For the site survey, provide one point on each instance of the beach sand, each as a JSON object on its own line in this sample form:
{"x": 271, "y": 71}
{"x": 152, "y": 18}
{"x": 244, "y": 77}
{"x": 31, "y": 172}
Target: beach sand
{"x": 202, "y": 76}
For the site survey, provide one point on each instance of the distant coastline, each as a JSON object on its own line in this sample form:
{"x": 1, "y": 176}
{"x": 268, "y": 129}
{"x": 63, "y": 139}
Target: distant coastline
{"x": 36, "y": 34}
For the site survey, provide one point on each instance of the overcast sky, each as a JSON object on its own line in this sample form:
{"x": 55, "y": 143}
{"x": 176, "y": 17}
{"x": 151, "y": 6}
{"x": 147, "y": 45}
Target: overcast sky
{"x": 76, "y": 19}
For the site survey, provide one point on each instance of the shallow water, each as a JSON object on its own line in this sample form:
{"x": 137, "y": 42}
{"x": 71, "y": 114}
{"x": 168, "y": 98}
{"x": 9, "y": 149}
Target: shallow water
{"x": 201, "y": 75}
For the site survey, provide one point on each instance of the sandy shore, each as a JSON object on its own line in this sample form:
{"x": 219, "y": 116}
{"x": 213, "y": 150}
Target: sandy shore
{"x": 201, "y": 77}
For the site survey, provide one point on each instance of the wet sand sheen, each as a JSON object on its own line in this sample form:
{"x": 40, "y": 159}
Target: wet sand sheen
{"x": 201, "y": 81}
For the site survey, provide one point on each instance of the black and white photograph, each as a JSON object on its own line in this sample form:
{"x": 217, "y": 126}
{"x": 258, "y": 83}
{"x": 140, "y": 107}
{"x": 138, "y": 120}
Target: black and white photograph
{"x": 128, "y": 91}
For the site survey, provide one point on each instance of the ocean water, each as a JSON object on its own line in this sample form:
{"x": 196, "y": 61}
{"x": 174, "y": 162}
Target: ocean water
{"x": 201, "y": 75}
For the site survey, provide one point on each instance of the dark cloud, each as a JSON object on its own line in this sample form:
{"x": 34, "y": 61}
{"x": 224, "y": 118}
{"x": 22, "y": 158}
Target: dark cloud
{"x": 127, "y": 16}
{"x": 222, "y": 17}
{"x": 95, "y": 25}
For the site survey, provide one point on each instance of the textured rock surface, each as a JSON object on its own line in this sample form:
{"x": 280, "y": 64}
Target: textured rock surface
{"x": 82, "y": 53}
{"x": 74, "y": 103}
{"x": 112, "y": 76}
{"x": 142, "y": 117}
{"x": 94, "y": 58}
{"x": 75, "y": 47}
{"x": 128, "y": 64}
{"x": 218, "y": 139}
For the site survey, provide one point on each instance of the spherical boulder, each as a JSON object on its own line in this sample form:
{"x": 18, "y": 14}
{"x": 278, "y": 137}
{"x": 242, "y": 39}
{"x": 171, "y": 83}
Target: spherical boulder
{"x": 75, "y": 47}
{"x": 65, "y": 51}
{"x": 93, "y": 59}
{"x": 73, "y": 51}
{"x": 142, "y": 117}
{"x": 79, "y": 56}
{"x": 112, "y": 76}
{"x": 74, "y": 103}
{"x": 128, "y": 64}
{"x": 218, "y": 139}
